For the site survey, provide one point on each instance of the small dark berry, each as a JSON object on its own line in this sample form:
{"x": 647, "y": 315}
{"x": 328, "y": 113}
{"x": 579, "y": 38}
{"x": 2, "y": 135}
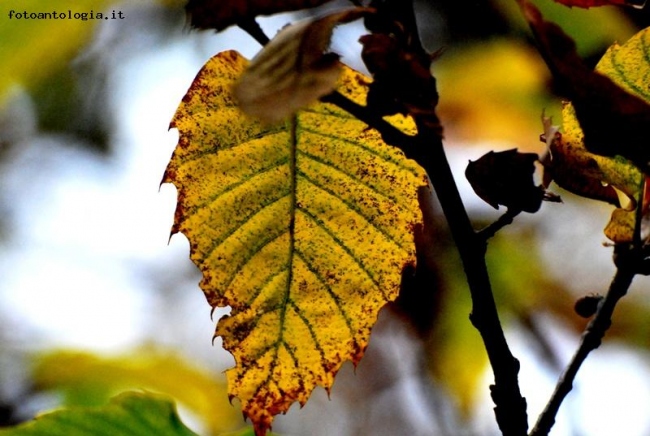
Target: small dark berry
{"x": 587, "y": 306}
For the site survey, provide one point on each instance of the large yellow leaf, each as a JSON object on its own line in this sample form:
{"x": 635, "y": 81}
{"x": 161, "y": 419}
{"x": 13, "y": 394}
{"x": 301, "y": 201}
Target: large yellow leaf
{"x": 594, "y": 176}
{"x": 302, "y": 228}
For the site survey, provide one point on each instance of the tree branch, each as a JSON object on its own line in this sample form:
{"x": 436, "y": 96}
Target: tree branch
{"x": 510, "y": 407}
{"x": 419, "y": 96}
{"x": 591, "y": 339}
{"x": 389, "y": 133}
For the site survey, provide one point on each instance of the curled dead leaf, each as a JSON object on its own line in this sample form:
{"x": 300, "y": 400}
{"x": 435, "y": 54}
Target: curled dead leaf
{"x": 613, "y": 120}
{"x": 506, "y": 178}
{"x": 293, "y": 70}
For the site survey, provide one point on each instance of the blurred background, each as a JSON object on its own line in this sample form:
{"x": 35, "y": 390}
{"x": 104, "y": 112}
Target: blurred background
{"x": 96, "y": 299}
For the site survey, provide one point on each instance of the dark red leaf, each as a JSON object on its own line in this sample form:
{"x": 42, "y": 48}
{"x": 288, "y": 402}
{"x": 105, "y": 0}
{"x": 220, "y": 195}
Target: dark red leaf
{"x": 219, "y": 14}
{"x": 591, "y": 3}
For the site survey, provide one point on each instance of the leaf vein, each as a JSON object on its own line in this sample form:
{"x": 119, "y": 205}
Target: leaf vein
{"x": 365, "y": 148}
{"x": 356, "y": 210}
{"x": 356, "y": 179}
{"x": 217, "y": 242}
{"x": 312, "y": 332}
{"x": 268, "y": 280}
{"x": 189, "y": 212}
{"x": 330, "y": 292}
{"x": 620, "y": 69}
{"x": 345, "y": 248}
{"x": 292, "y": 354}
{"x": 251, "y": 253}
{"x": 239, "y": 142}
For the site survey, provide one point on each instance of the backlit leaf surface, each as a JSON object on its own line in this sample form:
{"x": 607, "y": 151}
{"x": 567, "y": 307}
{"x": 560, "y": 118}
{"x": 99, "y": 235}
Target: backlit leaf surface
{"x": 594, "y": 176}
{"x": 302, "y": 228}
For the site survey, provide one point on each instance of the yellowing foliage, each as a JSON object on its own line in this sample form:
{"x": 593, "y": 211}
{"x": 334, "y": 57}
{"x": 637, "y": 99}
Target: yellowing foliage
{"x": 491, "y": 91}
{"x": 302, "y": 228}
{"x": 585, "y": 173}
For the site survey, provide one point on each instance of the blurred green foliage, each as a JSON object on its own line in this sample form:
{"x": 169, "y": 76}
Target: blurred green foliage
{"x": 85, "y": 379}
{"x": 129, "y": 414}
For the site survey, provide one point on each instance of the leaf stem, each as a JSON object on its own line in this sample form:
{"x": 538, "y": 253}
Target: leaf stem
{"x": 591, "y": 339}
{"x": 504, "y": 220}
{"x": 252, "y": 27}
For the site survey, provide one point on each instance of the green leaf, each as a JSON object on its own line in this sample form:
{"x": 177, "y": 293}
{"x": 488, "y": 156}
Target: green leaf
{"x": 89, "y": 380}
{"x": 129, "y": 414}
{"x": 302, "y": 228}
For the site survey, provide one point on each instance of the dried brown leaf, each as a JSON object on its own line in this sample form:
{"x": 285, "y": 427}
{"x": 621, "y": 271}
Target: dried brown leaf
{"x": 293, "y": 70}
{"x": 614, "y": 122}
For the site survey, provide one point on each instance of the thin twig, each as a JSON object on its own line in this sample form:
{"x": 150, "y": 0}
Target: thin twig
{"x": 630, "y": 259}
{"x": 591, "y": 339}
{"x": 252, "y": 27}
{"x": 504, "y": 220}
{"x": 389, "y": 133}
